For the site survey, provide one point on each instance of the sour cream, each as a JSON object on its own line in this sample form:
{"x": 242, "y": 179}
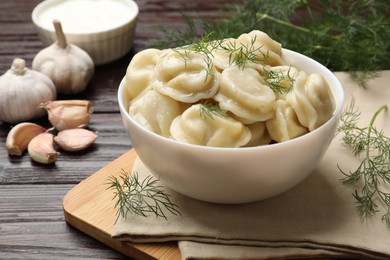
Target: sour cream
{"x": 87, "y": 16}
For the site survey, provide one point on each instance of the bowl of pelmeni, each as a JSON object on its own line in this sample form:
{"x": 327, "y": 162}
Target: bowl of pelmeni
{"x": 229, "y": 121}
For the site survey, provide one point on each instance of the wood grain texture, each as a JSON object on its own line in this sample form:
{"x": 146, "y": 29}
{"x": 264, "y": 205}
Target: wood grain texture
{"x": 32, "y": 225}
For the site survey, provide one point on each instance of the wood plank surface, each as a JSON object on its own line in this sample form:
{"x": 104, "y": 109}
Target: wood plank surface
{"x": 89, "y": 207}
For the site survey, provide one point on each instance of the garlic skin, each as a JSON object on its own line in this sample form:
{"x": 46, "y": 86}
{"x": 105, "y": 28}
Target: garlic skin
{"x": 41, "y": 148}
{"x": 20, "y": 136}
{"x": 68, "y": 114}
{"x": 69, "y": 67}
{"x": 75, "y": 139}
{"x": 22, "y": 90}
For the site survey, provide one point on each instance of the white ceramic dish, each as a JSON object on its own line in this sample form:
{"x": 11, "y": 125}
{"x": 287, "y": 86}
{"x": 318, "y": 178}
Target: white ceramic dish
{"x": 235, "y": 175}
{"x": 103, "y": 28}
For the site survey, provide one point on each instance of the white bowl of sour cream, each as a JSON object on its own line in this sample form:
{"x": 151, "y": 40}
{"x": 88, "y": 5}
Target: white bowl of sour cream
{"x": 103, "y": 28}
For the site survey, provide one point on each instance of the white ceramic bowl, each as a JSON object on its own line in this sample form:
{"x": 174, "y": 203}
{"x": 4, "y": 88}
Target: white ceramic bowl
{"x": 235, "y": 175}
{"x": 106, "y": 34}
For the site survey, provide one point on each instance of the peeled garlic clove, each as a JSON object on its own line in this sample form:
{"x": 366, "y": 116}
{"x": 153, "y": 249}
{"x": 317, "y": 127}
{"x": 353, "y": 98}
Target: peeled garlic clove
{"x": 75, "y": 139}
{"x": 68, "y": 114}
{"x": 41, "y": 149}
{"x": 20, "y": 135}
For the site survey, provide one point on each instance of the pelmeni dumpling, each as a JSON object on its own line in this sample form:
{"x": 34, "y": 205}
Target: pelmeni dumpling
{"x": 244, "y": 93}
{"x": 311, "y": 99}
{"x": 155, "y": 112}
{"x": 245, "y": 121}
{"x": 139, "y": 74}
{"x": 260, "y": 135}
{"x": 268, "y": 50}
{"x": 186, "y": 76}
{"x": 283, "y": 78}
{"x": 226, "y": 52}
{"x": 282, "y": 75}
{"x": 217, "y": 131}
{"x": 284, "y": 125}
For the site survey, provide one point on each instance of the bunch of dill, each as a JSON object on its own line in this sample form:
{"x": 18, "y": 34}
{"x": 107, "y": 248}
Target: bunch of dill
{"x": 373, "y": 147}
{"x": 343, "y": 35}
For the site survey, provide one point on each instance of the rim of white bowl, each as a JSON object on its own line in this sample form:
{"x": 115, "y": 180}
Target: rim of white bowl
{"x": 338, "y": 99}
{"x": 47, "y": 3}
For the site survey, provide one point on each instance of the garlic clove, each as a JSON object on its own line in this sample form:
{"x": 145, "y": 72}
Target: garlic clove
{"x": 20, "y": 135}
{"x": 68, "y": 114}
{"x": 75, "y": 139}
{"x": 41, "y": 149}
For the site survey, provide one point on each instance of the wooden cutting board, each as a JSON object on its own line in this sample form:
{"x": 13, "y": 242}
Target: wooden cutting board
{"x": 89, "y": 207}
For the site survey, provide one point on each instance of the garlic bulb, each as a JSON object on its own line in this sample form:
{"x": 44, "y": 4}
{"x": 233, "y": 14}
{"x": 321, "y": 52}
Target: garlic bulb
{"x": 22, "y": 90}
{"x": 70, "y": 67}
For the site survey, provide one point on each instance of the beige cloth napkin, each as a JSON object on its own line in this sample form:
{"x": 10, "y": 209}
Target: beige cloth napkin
{"x": 317, "y": 218}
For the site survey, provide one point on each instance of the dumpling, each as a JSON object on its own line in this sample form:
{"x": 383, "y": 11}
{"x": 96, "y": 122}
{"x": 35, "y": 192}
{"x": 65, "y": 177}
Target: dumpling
{"x": 242, "y": 120}
{"x": 221, "y": 56}
{"x": 255, "y": 47}
{"x": 279, "y": 78}
{"x": 139, "y": 74}
{"x": 217, "y": 131}
{"x": 244, "y": 93}
{"x": 265, "y": 47}
{"x": 186, "y": 76}
{"x": 155, "y": 112}
{"x": 260, "y": 134}
{"x": 282, "y": 75}
{"x": 284, "y": 125}
{"x": 311, "y": 99}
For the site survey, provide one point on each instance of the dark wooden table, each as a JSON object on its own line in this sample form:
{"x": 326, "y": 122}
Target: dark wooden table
{"x": 32, "y": 224}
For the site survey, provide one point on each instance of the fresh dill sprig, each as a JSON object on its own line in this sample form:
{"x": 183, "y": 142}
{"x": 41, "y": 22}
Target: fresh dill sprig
{"x": 241, "y": 54}
{"x": 186, "y": 56}
{"x": 204, "y": 46}
{"x": 278, "y": 81}
{"x": 141, "y": 198}
{"x": 373, "y": 173}
{"x": 208, "y": 109}
{"x": 351, "y": 35}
